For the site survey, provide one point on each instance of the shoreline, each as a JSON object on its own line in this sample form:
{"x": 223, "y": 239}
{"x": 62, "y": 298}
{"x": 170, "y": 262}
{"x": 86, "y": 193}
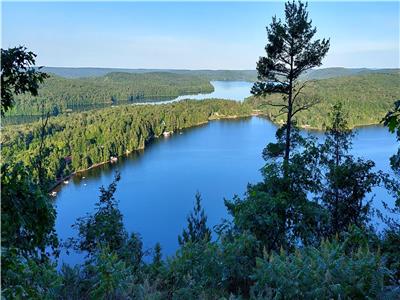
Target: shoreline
{"x": 60, "y": 181}
{"x": 254, "y": 113}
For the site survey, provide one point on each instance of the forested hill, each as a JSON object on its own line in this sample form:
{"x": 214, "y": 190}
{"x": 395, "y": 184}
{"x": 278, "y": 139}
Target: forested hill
{"x": 81, "y": 140}
{"x": 243, "y": 75}
{"x": 326, "y": 73}
{"x": 61, "y": 94}
{"x": 368, "y": 93}
{"x": 366, "y": 98}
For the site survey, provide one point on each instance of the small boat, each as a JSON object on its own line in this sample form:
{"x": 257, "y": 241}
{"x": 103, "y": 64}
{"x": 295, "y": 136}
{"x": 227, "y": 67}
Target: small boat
{"x": 66, "y": 181}
{"x": 83, "y": 177}
{"x": 167, "y": 133}
{"x": 113, "y": 159}
{"x": 53, "y": 193}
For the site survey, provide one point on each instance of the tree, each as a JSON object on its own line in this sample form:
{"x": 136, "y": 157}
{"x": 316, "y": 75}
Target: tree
{"x": 347, "y": 180}
{"x": 103, "y": 228}
{"x": 277, "y": 210}
{"x": 157, "y": 257}
{"x": 324, "y": 272}
{"x": 197, "y": 230}
{"x": 391, "y": 235}
{"x": 18, "y": 75}
{"x": 290, "y": 53}
{"x": 392, "y": 121}
{"x": 112, "y": 278}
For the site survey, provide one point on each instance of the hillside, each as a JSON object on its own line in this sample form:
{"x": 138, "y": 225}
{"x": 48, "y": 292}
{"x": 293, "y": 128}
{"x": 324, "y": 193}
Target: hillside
{"x": 91, "y": 138}
{"x": 245, "y": 75}
{"x": 326, "y": 73}
{"x": 367, "y": 98}
{"x": 61, "y": 94}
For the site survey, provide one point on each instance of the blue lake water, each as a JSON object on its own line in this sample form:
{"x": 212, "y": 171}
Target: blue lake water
{"x": 218, "y": 159}
{"x": 233, "y": 90}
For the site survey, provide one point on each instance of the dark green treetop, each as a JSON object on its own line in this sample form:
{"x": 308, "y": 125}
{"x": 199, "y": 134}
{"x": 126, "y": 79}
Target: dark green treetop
{"x": 197, "y": 229}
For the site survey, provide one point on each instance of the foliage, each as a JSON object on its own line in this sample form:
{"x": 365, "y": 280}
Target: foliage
{"x": 83, "y": 140}
{"x": 195, "y": 272}
{"x": 18, "y": 75}
{"x": 110, "y": 277}
{"x": 391, "y": 235}
{"x": 103, "y": 228}
{"x": 290, "y": 53}
{"x": 347, "y": 180}
{"x": 366, "y": 97}
{"x": 277, "y": 210}
{"x": 27, "y": 215}
{"x": 326, "y": 272}
{"x": 392, "y": 121}
{"x": 66, "y": 95}
{"x": 392, "y": 118}
{"x": 238, "y": 257}
{"x": 28, "y": 278}
{"x": 197, "y": 230}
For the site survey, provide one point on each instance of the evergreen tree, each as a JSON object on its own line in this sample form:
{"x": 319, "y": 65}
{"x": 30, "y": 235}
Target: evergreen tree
{"x": 102, "y": 228}
{"x": 348, "y": 180}
{"x": 157, "y": 257}
{"x": 197, "y": 230}
{"x": 290, "y": 52}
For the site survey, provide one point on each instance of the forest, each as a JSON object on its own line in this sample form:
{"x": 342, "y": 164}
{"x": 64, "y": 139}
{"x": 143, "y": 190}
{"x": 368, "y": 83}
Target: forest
{"x": 368, "y": 94}
{"x": 302, "y": 232}
{"x": 59, "y": 94}
{"x": 90, "y": 138}
{"x": 367, "y": 98}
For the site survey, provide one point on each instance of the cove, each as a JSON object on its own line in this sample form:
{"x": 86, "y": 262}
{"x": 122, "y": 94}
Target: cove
{"x": 218, "y": 159}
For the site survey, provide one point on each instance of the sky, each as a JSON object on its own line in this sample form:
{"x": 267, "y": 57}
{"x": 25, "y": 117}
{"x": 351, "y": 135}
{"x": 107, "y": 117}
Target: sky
{"x": 192, "y": 35}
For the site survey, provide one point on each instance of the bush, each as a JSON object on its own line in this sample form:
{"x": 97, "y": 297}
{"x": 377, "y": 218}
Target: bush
{"x": 326, "y": 272}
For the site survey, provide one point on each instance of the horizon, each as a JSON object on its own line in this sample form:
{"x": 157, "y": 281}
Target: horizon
{"x": 174, "y": 69}
{"x": 192, "y": 35}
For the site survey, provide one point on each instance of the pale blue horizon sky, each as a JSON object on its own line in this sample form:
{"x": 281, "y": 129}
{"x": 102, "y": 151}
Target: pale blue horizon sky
{"x": 192, "y": 35}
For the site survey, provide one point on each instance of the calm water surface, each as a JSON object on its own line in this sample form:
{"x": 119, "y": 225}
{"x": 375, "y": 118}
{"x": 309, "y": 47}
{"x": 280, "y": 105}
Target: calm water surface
{"x": 219, "y": 159}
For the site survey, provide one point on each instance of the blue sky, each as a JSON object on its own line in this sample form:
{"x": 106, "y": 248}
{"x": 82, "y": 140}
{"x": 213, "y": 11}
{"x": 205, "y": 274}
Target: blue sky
{"x": 192, "y": 35}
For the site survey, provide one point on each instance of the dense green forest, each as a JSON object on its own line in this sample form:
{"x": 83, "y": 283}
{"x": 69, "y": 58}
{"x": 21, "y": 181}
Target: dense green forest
{"x": 90, "y": 138}
{"x": 60, "y": 94}
{"x": 368, "y": 94}
{"x": 367, "y": 98}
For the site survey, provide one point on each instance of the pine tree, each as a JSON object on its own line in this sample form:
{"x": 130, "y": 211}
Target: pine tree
{"x": 197, "y": 230}
{"x": 348, "y": 180}
{"x": 157, "y": 258}
{"x": 290, "y": 52}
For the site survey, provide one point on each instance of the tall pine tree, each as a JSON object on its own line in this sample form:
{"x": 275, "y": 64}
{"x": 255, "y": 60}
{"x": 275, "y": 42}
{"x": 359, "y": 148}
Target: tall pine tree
{"x": 290, "y": 51}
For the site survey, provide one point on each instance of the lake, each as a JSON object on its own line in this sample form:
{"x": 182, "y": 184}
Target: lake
{"x": 218, "y": 159}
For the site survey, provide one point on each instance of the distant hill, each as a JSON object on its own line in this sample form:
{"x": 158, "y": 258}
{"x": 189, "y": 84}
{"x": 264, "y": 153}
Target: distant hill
{"x": 242, "y": 75}
{"x": 340, "y": 72}
{"x": 62, "y": 94}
